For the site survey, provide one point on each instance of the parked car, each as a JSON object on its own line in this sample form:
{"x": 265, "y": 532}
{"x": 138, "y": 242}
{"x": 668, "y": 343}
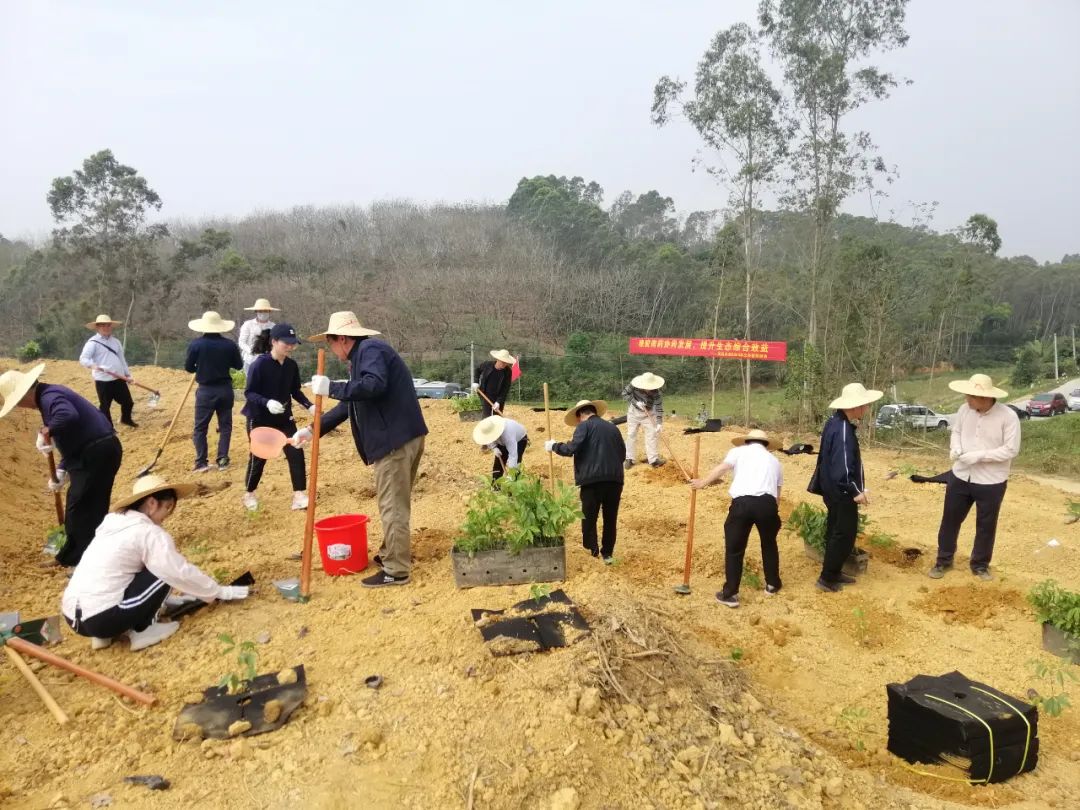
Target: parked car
{"x": 1048, "y": 404}
{"x": 915, "y": 416}
{"x": 1020, "y": 412}
{"x": 436, "y": 389}
{"x": 1074, "y": 399}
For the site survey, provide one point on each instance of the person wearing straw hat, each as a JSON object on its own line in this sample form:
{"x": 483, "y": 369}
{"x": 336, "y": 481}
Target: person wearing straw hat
{"x": 90, "y": 452}
{"x": 840, "y": 481}
{"x": 507, "y": 438}
{"x": 644, "y": 410}
{"x": 985, "y": 438}
{"x": 211, "y": 358}
{"x": 379, "y": 401}
{"x": 252, "y": 328}
{"x": 125, "y": 576}
{"x": 598, "y": 451}
{"x": 493, "y": 379}
{"x": 757, "y": 478}
{"x": 103, "y": 354}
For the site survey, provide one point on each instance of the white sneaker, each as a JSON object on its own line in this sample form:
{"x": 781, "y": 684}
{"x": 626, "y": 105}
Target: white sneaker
{"x": 100, "y": 643}
{"x": 299, "y": 500}
{"x": 251, "y": 503}
{"x": 158, "y": 631}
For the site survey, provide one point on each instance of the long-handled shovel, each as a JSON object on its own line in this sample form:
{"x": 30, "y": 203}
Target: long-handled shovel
{"x": 41, "y": 631}
{"x": 684, "y": 588}
{"x": 313, "y": 479}
{"x": 58, "y": 500}
{"x": 551, "y": 455}
{"x": 145, "y": 470}
{"x": 155, "y": 396}
{"x": 488, "y": 401}
{"x": 667, "y": 446}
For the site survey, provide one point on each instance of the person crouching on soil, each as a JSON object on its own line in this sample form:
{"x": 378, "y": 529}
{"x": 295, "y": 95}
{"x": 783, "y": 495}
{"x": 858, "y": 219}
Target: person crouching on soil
{"x": 757, "y": 478}
{"x": 125, "y": 576}
{"x": 507, "y": 438}
{"x": 645, "y": 411}
{"x": 598, "y": 450}
{"x": 273, "y": 382}
{"x": 840, "y": 481}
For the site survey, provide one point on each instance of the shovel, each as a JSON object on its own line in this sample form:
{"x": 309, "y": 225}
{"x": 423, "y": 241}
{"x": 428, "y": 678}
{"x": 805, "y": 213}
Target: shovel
{"x": 155, "y": 396}
{"x": 145, "y": 470}
{"x": 42, "y": 631}
{"x": 58, "y": 501}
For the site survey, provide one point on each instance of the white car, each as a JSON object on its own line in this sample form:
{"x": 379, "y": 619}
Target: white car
{"x": 913, "y": 416}
{"x": 1074, "y": 399}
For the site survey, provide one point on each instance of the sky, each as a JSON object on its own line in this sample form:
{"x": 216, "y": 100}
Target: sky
{"x": 227, "y": 108}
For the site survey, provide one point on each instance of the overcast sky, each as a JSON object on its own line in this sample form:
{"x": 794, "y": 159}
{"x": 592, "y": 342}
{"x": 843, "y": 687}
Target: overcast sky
{"x": 230, "y": 107}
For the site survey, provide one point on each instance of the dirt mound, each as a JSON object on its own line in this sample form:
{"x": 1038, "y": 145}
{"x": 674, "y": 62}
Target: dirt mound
{"x": 968, "y": 604}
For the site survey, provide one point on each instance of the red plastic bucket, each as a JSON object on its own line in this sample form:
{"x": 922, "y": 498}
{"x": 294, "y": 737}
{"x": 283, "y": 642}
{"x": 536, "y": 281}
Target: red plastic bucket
{"x": 343, "y": 543}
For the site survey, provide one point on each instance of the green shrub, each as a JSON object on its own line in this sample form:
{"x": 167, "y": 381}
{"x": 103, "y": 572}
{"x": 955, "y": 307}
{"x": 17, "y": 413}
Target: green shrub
{"x": 518, "y": 511}
{"x": 31, "y": 350}
{"x": 465, "y": 404}
{"x": 809, "y": 523}
{"x": 239, "y": 379}
{"x": 1055, "y": 605}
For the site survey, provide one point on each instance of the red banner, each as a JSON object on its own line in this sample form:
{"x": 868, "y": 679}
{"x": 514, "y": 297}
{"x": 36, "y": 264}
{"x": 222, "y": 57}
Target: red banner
{"x": 708, "y": 347}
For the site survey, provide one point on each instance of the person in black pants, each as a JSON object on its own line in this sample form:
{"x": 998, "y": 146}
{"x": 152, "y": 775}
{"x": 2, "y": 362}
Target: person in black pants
{"x": 273, "y": 382}
{"x": 840, "y": 481}
{"x": 210, "y": 359}
{"x": 755, "y": 496}
{"x": 90, "y": 452}
{"x": 598, "y": 450}
{"x": 103, "y": 354}
{"x": 506, "y": 438}
{"x": 494, "y": 378}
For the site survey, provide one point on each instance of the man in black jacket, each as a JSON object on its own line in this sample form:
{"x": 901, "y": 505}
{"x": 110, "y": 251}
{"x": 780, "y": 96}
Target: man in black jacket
{"x": 210, "y": 358}
{"x": 598, "y": 450}
{"x": 379, "y": 401}
{"x": 840, "y": 481}
{"x": 494, "y": 381}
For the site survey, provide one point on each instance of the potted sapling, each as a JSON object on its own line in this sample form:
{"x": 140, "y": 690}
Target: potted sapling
{"x": 809, "y": 523}
{"x": 468, "y": 409}
{"x": 1058, "y": 610}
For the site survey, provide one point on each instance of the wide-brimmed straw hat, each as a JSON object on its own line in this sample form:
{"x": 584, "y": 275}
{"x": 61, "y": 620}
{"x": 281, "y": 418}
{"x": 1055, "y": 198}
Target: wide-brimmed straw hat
{"x": 758, "y": 436}
{"x": 211, "y": 322}
{"x": 488, "y": 430}
{"x": 103, "y": 319}
{"x": 345, "y": 323}
{"x": 504, "y": 356}
{"x": 854, "y": 395}
{"x": 151, "y": 485}
{"x": 647, "y": 381}
{"x": 261, "y": 305}
{"x": 14, "y": 385}
{"x": 571, "y": 415}
{"x": 978, "y": 385}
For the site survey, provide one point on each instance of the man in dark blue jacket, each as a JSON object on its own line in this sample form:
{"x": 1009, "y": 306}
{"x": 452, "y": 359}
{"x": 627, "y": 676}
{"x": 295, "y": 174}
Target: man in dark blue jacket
{"x": 210, "y": 359}
{"x": 379, "y": 401}
{"x": 839, "y": 480}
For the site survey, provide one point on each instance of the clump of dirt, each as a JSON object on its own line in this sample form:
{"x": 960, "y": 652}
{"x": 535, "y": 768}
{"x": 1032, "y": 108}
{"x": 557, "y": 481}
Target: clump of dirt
{"x": 900, "y": 556}
{"x": 968, "y": 604}
{"x": 669, "y": 475}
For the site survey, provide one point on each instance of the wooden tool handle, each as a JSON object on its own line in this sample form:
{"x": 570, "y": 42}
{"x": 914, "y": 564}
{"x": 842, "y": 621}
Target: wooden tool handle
{"x": 667, "y": 446}
{"x": 551, "y": 455}
{"x": 34, "y": 651}
{"x": 58, "y": 501}
{"x": 485, "y": 398}
{"x": 313, "y": 478}
{"x": 132, "y": 382}
{"x": 693, "y": 512}
{"x": 176, "y": 415}
{"x": 37, "y": 686}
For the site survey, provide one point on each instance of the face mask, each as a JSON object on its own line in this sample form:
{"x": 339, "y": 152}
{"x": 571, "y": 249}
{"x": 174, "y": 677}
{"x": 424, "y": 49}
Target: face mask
{"x": 262, "y": 317}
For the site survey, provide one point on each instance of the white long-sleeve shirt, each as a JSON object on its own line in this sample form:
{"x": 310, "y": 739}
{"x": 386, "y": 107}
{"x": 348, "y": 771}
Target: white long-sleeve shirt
{"x": 249, "y": 330}
{"x": 97, "y": 352}
{"x": 125, "y": 543}
{"x": 983, "y": 445}
{"x": 513, "y": 432}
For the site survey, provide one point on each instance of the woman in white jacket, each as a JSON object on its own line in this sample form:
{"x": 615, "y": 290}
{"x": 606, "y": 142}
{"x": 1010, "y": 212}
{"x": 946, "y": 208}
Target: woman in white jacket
{"x": 129, "y": 568}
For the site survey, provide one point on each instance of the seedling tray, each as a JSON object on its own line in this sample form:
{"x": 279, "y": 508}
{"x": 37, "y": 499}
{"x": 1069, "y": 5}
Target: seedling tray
{"x": 500, "y": 567}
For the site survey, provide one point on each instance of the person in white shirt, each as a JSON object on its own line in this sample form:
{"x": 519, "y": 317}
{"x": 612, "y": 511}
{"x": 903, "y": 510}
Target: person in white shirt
{"x": 985, "y": 439}
{"x": 103, "y": 354}
{"x": 252, "y": 328}
{"x": 507, "y": 438}
{"x": 125, "y": 575}
{"x": 755, "y": 496}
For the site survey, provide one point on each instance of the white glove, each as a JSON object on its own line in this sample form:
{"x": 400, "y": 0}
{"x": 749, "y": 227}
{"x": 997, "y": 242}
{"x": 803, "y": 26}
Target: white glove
{"x": 495, "y": 406}
{"x": 43, "y": 445}
{"x": 311, "y": 410}
{"x": 659, "y": 427}
{"x": 320, "y": 385}
{"x": 274, "y": 407}
{"x": 487, "y": 448}
{"x": 954, "y": 455}
{"x": 302, "y": 437}
{"x": 549, "y": 445}
{"x": 475, "y": 386}
{"x": 58, "y": 484}
{"x": 227, "y": 593}
{"x": 971, "y": 457}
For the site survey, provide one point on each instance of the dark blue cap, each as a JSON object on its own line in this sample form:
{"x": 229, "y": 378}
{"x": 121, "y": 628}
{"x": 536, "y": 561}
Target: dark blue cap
{"x": 285, "y": 333}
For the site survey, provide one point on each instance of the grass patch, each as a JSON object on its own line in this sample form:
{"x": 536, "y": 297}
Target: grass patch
{"x": 1051, "y": 446}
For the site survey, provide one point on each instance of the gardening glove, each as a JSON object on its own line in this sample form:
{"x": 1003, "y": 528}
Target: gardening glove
{"x": 274, "y": 407}
{"x": 311, "y": 410}
{"x": 954, "y": 455}
{"x": 58, "y": 484}
{"x": 659, "y": 427}
{"x": 320, "y": 385}
{"x": 495, "y": 406}
{"x": 475, "y": 386}
{"x": 44, "y": 445}
{"x": 227, "y": 593}
{"x": 302, "y": 437}
{"x": 549, "y": 445}
{"x": 971, "y": 457}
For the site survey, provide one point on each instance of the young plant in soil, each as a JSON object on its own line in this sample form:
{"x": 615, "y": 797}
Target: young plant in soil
{"x": 55, "y": 540}
{"x": 862, "y": 625}
{"x": 751, "y": 578}
{"x": 854, "y": 720}
{"x": 1056, "y": 676}
{"x": 465, "y": 404}
{"x": 1057, "y": 606}
{"x": 247, "y": 660}
{"x": 882, "y": 540}
{"x": 538, "y": 591}
{"x": 809, "y": 523}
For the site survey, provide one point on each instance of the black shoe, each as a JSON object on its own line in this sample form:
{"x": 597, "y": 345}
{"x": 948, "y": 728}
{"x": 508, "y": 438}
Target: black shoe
{"x": 223, "y": 464}
{"x": 772, "y": 590}
{"x": 845, "y": 579}
{"x": 377, "y": 560}
{"x": 627, "y": 464}
{"x": 128, "y": 422}
{"x": 730, "y": 601}
{"x": 593, "y": 551}
{"x": 609, "y": 560}
{"x": 829, "y": 587}
{"x": 383, "y": 579}
{"x": 658, "y": 463}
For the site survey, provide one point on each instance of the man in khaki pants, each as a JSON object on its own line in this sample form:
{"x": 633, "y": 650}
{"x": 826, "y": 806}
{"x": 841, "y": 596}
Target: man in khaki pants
{"x": 379, "y": 401}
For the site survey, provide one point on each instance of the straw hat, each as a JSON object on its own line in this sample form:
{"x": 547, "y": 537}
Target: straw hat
{"x": 571, "y": 415}
{"x": 978, "y": 385}
{"x": 261, "y": 305}
{"x": 504, "y": 356}
{"x": 647, "y": 381}
{"x": 211, "y": 322}
{"x": 151, "y": 485}
{"x": 102, "y": 319}
{"x": 15, "y": 384}
{"x": 756, "y": 435}
{"x": 344, "y": 323}
{"x": 488, "y": 430}
{"x": 854, "y": 395}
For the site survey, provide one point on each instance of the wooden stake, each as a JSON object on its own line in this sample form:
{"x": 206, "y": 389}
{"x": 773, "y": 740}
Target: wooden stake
{"x": 551, "y": 455}
{"x": 313, "y": 478}
{"x": 685, "y": 587}
{"x": 34, "y": 651}
{"x": 58, "y": 500}
{"x": 37, "y": 686}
